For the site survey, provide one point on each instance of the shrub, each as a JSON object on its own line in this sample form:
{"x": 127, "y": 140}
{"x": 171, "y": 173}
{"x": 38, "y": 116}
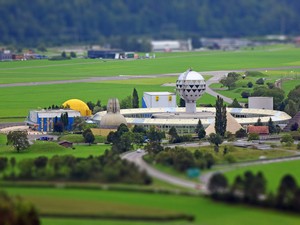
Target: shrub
{"x": 260, "y": 81}
{"x": 253, "y": 136}
{"x": 230, "y": 158}
{"x": 298, "y": 146}
{"x": 245, "y": 94}
{"x": 287, "y": 139}
{"x": 250, "y": 84}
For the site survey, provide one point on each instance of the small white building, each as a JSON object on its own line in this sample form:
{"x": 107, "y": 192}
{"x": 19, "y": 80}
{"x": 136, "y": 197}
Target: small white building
{"x": 171, "y": 45}
{"x": 260, "y": 103}
{"x": 159, "y": 100}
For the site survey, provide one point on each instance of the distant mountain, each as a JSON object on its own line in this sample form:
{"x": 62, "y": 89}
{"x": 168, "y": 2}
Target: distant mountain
{"x": 34, "y": 22}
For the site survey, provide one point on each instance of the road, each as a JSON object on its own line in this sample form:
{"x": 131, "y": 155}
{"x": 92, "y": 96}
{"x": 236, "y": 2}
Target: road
{"x": 137, "y": 158}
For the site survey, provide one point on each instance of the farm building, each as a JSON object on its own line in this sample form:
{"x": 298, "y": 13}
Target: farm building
{"x": 44, "y": 120}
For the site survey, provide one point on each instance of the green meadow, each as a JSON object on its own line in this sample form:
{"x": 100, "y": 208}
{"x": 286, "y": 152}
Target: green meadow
{"x": 17, "y": 101}
{"x": 49, "y": 149}
{"x": 273, "y": 172}
{"x": 83, "y": 202}
{"x": 45, "y": 70}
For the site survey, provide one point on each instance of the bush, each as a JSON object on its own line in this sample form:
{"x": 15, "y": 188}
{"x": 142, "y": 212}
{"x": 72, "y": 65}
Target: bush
{"x": 253, "y": 74}
{"x": 260, "y": 81}
{"x": 230, "y": 158}
{"x": 245, "y": 94}
{"x": 253, "y": 136}
{"x": 58, "y": 57}
{"x": 298, "y": 146}
{"x": 287, "y": 139}
{"x": 250, "y": 84}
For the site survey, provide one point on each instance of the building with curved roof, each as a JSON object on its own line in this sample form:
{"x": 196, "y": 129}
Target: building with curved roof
{"x": 112, "y": 119}
{"x": 78, "y": 105}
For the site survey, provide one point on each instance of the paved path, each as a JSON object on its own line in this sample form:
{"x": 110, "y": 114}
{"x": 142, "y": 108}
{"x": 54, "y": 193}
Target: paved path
{"x": 136, "y": 158}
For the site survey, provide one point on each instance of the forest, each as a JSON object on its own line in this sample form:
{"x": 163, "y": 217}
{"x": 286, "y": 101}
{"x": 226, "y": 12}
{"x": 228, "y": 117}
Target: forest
{"x": 58, "y": 22}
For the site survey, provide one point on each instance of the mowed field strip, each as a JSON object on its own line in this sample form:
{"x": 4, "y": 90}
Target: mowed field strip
{"x": 203, "y": 209}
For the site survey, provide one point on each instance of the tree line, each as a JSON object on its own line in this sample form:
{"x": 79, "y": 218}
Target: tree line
{"x": 252, "y": 189}
{"x": 126, "y": 23}
{"x": 107, "y": 168}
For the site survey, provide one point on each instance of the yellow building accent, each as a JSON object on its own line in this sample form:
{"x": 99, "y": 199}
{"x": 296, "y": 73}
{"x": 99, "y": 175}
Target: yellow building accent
{"x": 78, "y": 105}
{"x": 157, "y": 98}
{"x": 170, "y": 98}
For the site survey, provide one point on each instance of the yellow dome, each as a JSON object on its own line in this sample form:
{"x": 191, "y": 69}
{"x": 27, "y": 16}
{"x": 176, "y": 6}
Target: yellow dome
{"x": 78, "y": 105}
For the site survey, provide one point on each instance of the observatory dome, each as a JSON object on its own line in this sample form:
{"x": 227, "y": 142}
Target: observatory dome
{"x": 112, "y": 119}
{"x": 190, "y": 75}
{"x": 78, "y": 105}
{"x": 190, "y": 85}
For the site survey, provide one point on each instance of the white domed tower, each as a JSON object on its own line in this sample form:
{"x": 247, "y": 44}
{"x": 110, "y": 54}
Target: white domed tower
{"x": 190, "y": 86}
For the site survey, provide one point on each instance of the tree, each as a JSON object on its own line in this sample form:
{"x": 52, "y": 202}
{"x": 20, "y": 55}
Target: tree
{"x": 287, "y": 139}
{"x": 89, "y": 138}
{"x": 220, "y": 118}
{"x": 200, "y": 130}
{"x": 215, "y": 139}
{"x": 217, "y": 184}
{"x": 286, "y": 191}
{"x": 272, "y": 127}
{"x": 135, "y": 99}
{"x": 294, "y": 126}
{"x": 174, "y": 136}
{"x": 73, "y": 54}
{"x": 126, "y": 103}
{"x": 235, "y": 104}
{"x": 15, "y": 211}
{"x": 18, "y": 139}
{"x": 228, "y": 82}
{"x": 64, "y": 54}
{"x": 260, "y": 81}
{"x": 241, "y": 133}
{"x": 245, "y": 94}
{"x": 64, "y": 118}
{"x": 181, "y": 102}
{"x": 291, "y": 108}
{"x": 58, "y": 127}
{"x": 258, "y": 122}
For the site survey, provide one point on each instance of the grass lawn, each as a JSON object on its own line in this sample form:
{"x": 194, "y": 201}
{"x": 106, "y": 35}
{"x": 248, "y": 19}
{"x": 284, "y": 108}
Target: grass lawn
{"x": 203, "y": 209}
{"x": 42, "y": 70}
{"x": 273, "y": 172}
{"x": 49, "y": 149}
{"x": 270, "y": 76}
{"x": 241, "y": 154}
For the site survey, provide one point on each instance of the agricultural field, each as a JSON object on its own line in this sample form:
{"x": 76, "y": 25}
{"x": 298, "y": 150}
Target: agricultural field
{"x": 273, "y": 172}
{"x": 49, "y": 149}
{"x": 83, "y": 202}
{"x": 45, "y": 70}
{"x": 16, "y": 101}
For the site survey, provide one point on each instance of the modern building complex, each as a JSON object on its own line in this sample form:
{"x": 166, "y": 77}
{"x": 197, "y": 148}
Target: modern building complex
{"x": 190, "y": 85}
{"x": 44, "y": 120}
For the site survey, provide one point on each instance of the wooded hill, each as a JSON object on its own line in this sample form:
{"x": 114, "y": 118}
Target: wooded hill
{"x": 55, "y": 22}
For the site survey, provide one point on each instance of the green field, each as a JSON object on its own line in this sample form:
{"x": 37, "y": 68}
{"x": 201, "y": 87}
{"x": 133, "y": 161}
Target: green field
{"x": 42, "y": 70}
{"x": 206, "y": 211}
{"x": 17, "y": 101}
{"x": 290, "y": 81}
{"x": 273, "y": 172}
{"x": 49, "y": 149}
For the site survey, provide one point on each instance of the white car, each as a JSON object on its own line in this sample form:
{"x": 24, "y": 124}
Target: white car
{"x": 139, "y": 150}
